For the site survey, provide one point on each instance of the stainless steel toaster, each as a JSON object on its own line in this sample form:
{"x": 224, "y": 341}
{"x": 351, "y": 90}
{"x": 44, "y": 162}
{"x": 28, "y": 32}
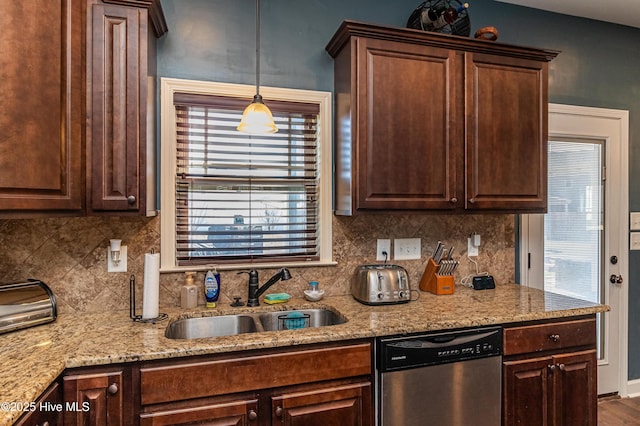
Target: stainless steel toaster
{"x": 381, "y": 284}
{"x": 26, "y": 304}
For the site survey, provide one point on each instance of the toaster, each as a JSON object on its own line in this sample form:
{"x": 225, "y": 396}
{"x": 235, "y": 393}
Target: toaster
{"x": 26, "y": 304}
{"x": 381, "y": 284}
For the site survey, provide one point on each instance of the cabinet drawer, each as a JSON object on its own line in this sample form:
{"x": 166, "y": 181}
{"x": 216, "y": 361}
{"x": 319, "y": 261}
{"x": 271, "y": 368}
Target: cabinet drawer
{"x": 553, "y": 336}
{"x": 225, "y": 376}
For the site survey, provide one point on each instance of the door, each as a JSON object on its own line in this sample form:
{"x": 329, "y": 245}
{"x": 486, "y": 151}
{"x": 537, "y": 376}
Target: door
{"x": 581, "y": 242}
{"x": 96, "y": 399}
{"x": 117, "y": 93}
{"x": 240, "y": 412}
{"x": 505, "y": 163}
{"x": 337, "y": 405}
{"x": 408, "y": 131}
{"x": 41, "y": 124}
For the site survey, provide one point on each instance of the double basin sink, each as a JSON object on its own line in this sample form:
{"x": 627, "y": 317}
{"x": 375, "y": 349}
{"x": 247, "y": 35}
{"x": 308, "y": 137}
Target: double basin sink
{"x": 227, "y": 325}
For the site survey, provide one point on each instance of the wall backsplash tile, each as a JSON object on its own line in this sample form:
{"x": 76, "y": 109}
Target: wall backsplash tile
{"x": 69, "y": 254}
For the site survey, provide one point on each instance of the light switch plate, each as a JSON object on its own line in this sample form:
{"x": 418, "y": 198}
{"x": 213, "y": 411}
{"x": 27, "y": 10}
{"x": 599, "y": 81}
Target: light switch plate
{"x": 634, "y": 222}
{"x": 634, "y": 241}
{"x": 406, "y": 248}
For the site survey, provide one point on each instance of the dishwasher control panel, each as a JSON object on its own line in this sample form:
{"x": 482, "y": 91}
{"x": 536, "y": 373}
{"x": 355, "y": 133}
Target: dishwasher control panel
{"x": 437, "y": 348}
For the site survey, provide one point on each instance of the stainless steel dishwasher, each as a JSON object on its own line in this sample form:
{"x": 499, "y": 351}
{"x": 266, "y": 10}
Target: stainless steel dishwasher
{"x": 440, "y": 379}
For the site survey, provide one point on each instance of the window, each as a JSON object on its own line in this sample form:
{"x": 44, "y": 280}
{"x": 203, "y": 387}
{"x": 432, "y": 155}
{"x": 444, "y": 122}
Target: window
{"x": 234, "y": 199}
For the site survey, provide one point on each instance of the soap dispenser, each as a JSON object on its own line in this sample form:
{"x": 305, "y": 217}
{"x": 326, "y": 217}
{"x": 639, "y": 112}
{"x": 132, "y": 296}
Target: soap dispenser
{"x": 189, "y": 292}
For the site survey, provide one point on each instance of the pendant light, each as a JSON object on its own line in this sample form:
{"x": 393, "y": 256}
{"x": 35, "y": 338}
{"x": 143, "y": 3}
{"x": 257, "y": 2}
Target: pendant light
{"x": 257, "y": 118}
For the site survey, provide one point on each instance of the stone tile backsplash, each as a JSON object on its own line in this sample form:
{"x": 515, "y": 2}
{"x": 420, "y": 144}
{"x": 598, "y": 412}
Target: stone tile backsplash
{"x": 69, "y": 254}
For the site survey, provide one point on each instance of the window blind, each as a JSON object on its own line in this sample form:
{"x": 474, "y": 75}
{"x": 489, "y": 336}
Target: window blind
{"x": 244, "y": 197}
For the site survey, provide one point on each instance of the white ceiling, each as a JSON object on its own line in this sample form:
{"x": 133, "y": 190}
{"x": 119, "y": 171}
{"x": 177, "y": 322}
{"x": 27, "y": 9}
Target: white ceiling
{"x": 625, "y": 12}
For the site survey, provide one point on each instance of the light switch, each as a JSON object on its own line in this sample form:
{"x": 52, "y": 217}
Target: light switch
{"x": 634, "y": 224}
{"x": 634, "y": 241}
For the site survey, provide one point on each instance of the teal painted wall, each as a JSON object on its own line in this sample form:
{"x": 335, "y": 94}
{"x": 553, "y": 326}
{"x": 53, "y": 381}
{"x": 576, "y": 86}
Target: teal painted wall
{"x": 599, "y": 65}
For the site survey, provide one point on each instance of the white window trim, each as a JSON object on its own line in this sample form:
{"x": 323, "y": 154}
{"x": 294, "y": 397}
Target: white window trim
{"x": 168, "y": 87}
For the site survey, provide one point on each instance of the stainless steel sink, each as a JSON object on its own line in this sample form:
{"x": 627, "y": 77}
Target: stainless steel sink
{"x": 225, "y": 325}
{"x": 302, "y": 318}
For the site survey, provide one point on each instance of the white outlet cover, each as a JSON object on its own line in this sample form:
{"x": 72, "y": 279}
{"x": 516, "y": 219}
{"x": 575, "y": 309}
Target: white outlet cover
{"x": 406, "y": 248}
{"x": 472, "y": 250}
{"x": 383, "y": 244}
{"x": 122, "y": 265}
{"x": 634, "y": 224}
{"x": 634, "y": 241}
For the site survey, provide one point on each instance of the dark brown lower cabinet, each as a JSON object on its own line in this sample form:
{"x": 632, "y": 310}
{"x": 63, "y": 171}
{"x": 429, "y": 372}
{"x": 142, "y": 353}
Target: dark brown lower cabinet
{"x": 334, "y": 405}
{"x": 550, "y": 387}
{"x": 327, "y": 384}
{"x": 47, "y": 410}
{"x": 98, "y": 397}
{"x": 236, "y": 412}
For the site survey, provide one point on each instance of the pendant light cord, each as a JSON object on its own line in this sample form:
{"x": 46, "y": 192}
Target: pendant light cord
{"x": 257, "y": 47}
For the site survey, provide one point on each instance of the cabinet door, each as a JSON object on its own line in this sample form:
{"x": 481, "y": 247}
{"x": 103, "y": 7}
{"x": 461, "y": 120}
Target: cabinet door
{"x": 527, "y": 392}
{"x": 234, "y": 413}
{"x": 97, "y": 399}
{"x": 116, "y": 95}
{"x": 575, "y": 388}
{"x": 506, "y": 141}
{"x": 407, "y": 134}
{"x": 41, "y": 82}
{"x": 47, "y": 410}
{"x": 347, "y": 405}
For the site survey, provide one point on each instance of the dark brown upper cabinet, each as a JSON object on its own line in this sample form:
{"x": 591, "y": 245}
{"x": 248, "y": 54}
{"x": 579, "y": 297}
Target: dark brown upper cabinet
{"x": 431, "y": 122}
{"x": 76, "y": 133}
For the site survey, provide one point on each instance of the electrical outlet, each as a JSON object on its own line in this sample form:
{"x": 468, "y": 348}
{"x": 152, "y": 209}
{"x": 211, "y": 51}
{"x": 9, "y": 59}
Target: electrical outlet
{"x": 472, "y": 250}
{"x": 634, "y": 241}
{"x": 384, "y": 245}
{"x": 406, "y": 248}
{"x": 122, "y": 264}
{"x": 634, "y": 221}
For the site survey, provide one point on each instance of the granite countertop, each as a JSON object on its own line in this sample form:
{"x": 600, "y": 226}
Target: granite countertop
{"x": 32, "y": 359}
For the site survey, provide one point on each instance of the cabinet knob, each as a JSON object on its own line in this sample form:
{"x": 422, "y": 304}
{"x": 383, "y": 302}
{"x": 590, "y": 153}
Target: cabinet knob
{"x": 131, "y": 199}
{"x": 279, "y": 411}
{"x": 472, "y": 200}
{"x": 453, "y": 200}
{"x": 551, "y": 367}
{"x": 253, "y": 415}
{"x": 112, "y": 389}
{"x": 554, "y": 337}
{"x": 561, "y": 367}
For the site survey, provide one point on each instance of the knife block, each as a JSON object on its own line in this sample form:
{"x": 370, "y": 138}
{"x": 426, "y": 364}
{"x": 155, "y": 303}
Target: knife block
{"x": 434, "y": 283}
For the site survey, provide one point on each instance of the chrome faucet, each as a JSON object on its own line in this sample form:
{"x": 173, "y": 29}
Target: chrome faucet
{"x": 255, "y": 291}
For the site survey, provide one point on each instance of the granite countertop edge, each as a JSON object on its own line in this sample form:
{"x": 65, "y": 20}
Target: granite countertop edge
{"x": 32, "y": 359}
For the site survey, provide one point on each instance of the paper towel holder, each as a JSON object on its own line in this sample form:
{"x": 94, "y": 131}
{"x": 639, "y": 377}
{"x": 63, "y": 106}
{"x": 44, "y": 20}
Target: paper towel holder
{"x": 132, "y": 305}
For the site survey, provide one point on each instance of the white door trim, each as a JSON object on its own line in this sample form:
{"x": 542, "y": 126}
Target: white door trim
{"x": 618, "y": 124}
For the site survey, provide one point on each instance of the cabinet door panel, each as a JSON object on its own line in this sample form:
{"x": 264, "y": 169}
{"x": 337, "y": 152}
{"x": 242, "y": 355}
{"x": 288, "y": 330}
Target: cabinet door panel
{"x": 341, "y": 405}
{"x": 527, "y": 392}
{"x": 41, "y": 81}
{"x": 96, "y": 399}
{"x": 506, "y": 142}
{"x": 235, "y": 413}
{"x": 44, "y": 414}
{"x": 405, "y": 131}
{"x": 118, "y": 99}
{"x": 576, "y": 389}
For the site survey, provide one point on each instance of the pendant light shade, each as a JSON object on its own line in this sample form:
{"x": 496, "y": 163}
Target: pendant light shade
{"x": 257, "y": 118}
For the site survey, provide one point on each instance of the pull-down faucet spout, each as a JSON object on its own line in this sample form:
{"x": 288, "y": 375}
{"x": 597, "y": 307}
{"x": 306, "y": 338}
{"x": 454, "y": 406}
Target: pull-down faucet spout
{"x": 255, "y": 291}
